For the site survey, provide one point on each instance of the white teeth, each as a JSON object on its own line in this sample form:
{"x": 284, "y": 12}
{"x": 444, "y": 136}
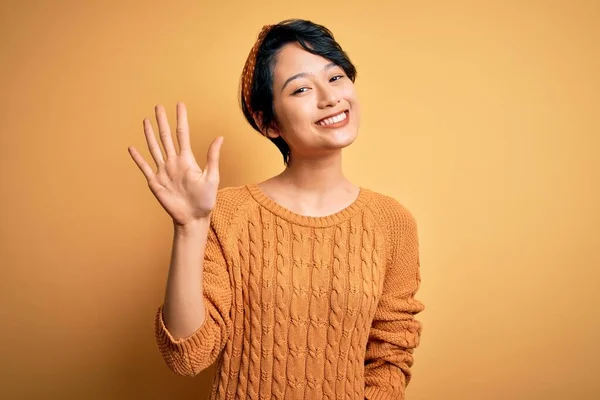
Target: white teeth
{"x": 340, "y": 117}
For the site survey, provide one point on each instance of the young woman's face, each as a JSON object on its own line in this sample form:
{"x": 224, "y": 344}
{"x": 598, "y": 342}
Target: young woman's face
{"x": 316, "y": 106}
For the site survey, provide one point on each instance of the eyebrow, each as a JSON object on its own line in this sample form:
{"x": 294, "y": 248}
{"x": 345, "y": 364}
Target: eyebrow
{"x": 305, "y": 74}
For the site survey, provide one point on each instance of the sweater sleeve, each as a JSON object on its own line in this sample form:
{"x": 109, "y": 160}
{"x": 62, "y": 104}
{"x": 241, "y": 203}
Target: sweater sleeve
{"x": 188, "y": 356}
{"x": 394, "y": 331}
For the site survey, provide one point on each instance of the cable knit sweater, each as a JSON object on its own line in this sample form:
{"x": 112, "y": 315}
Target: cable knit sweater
{"x": 302, "y": 307}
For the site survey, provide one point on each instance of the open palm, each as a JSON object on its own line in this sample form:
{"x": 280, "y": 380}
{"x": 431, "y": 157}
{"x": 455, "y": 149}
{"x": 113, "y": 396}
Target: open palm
{"x": 183, "y": 189}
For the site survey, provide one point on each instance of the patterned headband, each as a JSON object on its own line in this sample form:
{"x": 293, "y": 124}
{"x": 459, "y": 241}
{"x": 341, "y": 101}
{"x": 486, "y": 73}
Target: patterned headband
{"x": 248, "y": 71}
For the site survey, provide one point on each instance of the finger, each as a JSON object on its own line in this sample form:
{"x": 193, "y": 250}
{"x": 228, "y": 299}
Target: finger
{"x": 152, "y": 143}
{"x": 140, "y": 162}
{"x": 183, "y": 129}
{"x": 214, "y": 154}
{"x": 165, "y": 131}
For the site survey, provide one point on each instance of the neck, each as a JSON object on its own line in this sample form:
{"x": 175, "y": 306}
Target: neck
{"x": 317, "y": 175}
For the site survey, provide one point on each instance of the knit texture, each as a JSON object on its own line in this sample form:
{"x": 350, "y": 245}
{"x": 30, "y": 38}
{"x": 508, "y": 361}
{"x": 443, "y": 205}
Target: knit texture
{"x": 302, "y": 307}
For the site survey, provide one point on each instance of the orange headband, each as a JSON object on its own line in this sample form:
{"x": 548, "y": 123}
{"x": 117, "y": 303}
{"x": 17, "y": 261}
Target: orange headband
{"x": 248, "y": 71}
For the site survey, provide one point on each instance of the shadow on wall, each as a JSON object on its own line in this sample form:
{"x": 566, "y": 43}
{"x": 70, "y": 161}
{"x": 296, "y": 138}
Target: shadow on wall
{"x": 142, "y": 374}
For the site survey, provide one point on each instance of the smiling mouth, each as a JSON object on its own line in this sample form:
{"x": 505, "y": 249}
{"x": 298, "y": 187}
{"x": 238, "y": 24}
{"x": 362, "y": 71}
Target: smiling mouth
{"x": 335, "y": 120}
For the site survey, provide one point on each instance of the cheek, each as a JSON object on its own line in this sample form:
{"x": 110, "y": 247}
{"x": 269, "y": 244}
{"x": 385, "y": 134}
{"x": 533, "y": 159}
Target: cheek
{"x": 292, "y": 119}
{"x": 349, "y": 94}
{"x": 300, "y": 112}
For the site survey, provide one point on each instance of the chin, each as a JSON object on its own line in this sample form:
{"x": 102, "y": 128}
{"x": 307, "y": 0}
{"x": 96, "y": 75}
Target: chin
{"x": 343, "y": 137}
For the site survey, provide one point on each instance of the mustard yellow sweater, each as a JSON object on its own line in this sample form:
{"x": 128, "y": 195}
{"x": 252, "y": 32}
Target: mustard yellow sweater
{"x": 304, "y": 307}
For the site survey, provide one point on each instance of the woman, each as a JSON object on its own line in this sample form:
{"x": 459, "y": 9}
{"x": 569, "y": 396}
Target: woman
{"x": 302, "y": 286}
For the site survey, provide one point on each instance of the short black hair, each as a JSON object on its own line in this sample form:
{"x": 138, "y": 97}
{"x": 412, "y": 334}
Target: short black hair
{"x": 315, "y": 39}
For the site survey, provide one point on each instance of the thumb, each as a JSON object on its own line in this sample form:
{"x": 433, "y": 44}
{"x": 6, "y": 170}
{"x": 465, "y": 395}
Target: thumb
{"x": 213, "y": 156}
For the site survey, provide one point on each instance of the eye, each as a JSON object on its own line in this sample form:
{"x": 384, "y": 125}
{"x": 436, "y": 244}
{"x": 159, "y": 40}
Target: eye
{"x": 336, "y": 78}
{"x": 301, "y": 90}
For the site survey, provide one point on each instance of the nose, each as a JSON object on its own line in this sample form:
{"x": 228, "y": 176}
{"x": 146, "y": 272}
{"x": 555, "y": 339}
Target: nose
{"x": 328, "y": 97}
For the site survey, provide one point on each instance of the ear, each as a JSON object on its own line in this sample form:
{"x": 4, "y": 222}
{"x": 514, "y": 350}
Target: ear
{"x": 270, "y": 131}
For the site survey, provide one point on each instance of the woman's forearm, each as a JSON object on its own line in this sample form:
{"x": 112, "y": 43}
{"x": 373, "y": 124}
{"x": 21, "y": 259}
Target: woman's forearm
{"x": 184, "y": 309}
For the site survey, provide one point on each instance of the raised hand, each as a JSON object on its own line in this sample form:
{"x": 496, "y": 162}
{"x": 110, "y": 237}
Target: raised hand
{"x": 185, "y": 191}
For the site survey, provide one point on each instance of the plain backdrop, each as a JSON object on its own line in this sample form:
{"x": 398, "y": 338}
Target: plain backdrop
{"x": 481, "y": 117}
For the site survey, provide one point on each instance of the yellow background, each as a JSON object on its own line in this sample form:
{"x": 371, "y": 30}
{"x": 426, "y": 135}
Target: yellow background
{"x": 481, "y": 117}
